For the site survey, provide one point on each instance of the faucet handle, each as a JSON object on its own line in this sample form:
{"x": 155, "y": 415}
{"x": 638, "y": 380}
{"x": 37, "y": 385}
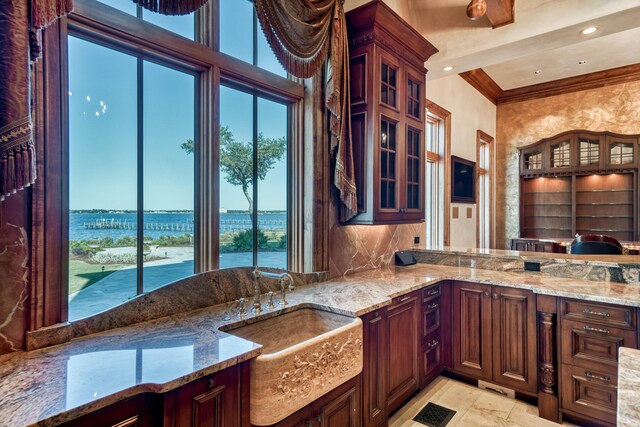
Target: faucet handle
{"x": 242, "y": 311}
{"x": 270, "y": 305}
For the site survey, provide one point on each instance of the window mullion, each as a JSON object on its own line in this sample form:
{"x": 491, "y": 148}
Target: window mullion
{"x": 140, "y": 178}
{"x": 254, "y": 213}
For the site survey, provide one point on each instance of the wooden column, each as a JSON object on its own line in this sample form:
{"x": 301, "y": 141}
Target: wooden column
{"x": 547, "y": 358}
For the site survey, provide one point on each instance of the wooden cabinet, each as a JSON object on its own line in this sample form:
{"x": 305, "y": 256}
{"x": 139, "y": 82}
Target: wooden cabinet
{"x": 340, "y": 407}
{"x": 514, "y": 338}
{"x": 591, "y": 335}
{"x": 387, "y": 114}
{"x": 580, "y": 182}
{"x": 374, "y": 370}
{"x": 436, "y": 331}
{"x": 472, "y": 342}
{"x": 391, "y": 372}
{"x": 140, "y": 411}
{"x": 495, "y": 334}
{"x": 212, "y": 401}
{"x": 403, "y": 324}
{"x": 531, "y": 245}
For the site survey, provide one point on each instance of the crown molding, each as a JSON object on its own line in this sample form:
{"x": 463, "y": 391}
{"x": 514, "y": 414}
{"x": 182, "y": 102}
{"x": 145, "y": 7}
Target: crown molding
{"x": 484, "y": 84}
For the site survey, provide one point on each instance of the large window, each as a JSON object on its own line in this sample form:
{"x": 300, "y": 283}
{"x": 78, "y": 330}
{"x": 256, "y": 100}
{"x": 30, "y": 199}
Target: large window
{"x": 152, "y": 195}
{"x": 485, "y": 189}
{"x": 436, "y": 150}
{"x": 131, "y": 190}
{"x": 253, "y": 127}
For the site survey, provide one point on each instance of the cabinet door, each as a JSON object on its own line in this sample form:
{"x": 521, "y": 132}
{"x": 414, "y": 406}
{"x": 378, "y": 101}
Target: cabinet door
{"x": 374, "y": 369}
{"x": 139, "y": 411}
{"x": 342, "y": 411}
{"x": 514, "y": 338}
{"x": 403, "y": 320}
{"x": 472, "y": 329}
{"x": 213, "y": 401}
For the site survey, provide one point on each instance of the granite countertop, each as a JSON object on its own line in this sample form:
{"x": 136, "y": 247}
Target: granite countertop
{"x": 55, "y": 384}
{"x": 628, "y": 385}
{"x": 603, "y": 260}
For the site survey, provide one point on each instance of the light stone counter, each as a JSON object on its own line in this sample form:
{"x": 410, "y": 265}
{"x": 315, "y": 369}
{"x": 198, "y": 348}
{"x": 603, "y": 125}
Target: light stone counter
{"x": 628, "y": 387}
{"x": 55, "y": 384}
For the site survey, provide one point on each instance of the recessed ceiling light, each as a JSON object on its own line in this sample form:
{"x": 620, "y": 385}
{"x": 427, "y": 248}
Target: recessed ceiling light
{"x": 589, "y": 30}
{"x": 582, "y": 62}
{"x": 537, "y": 71}
{"x": 448, "y": 68}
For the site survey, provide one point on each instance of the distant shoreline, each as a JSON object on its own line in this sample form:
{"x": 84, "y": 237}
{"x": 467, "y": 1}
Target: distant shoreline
{"x": 175, "y": 211}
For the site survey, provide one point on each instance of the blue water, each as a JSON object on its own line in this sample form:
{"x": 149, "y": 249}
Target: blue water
{"x": 163, "y": 224}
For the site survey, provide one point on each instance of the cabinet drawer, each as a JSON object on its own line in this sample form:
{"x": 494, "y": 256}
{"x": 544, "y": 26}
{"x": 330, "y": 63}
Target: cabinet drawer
{"x": 589, "y": 344}
{"x": 398, "y": 302}
{"x": 606, "y": 314}
{"x": 431, "y": 292}
{"x": 431, "y": 362}
{"x": 431, "y": 315}
{"x": 589, "y": 392}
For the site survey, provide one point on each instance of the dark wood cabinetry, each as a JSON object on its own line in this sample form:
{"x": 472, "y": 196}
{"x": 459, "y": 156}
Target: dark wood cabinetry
{"x": 514, "y": 338}
{"x": 495, "y": 334}
{"x": 212, "y": 401}
{"x": 403, "y": 325}
{"x": 472, "y": 343}
{"x": 530, "y": 245}
{"x": 374, "y": 368}
{"x": 591, "y": 334}
{"x": 580, "y": 182}
{"x": 391, "y": 371}
{"x": 140, "y": 411}
{"x": 435, "y": 341}
{"x": 340, "y": 407}
{"x": 387, "y": 114}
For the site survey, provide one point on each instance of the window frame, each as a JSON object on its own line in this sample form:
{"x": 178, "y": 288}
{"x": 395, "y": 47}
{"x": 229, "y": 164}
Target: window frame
{"x": 484, "y": 141}
{"x": 442, "y": 160}
{"x": 95, "y": 21}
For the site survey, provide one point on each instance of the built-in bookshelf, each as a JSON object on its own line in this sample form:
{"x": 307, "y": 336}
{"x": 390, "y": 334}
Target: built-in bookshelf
{"x": 581, "y": 183}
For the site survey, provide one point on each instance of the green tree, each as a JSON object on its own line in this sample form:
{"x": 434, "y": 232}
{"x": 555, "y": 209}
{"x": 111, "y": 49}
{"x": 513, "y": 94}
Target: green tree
{"x": 236, "y": 159}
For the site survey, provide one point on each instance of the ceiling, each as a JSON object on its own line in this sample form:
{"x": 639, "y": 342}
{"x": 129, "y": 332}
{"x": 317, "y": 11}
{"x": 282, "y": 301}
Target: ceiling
{"x": 546, "y": 36}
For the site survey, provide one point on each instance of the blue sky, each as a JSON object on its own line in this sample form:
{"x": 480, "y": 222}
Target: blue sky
{"x": 102, "y": 128}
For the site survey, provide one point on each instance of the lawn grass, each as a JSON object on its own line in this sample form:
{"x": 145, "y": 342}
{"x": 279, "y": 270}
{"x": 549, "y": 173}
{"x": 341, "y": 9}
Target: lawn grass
{"x": 83, "y": 275}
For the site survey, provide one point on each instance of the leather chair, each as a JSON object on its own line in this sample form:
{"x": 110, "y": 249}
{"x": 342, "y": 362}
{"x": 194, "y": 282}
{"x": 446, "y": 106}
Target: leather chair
{"x": 595, "y": 244}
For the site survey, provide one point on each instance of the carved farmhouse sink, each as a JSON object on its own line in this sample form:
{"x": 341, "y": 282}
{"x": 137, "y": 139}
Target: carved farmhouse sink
{"x": 306, "y": 354}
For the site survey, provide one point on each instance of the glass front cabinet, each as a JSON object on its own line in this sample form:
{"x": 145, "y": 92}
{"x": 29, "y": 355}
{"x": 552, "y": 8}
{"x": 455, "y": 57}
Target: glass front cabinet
{"x": 387, "y": 73}
{"x": 580, "y": 182}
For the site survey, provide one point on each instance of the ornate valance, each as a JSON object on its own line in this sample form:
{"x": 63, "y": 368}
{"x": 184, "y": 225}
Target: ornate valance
{"x": 301, "y": 34}
{"x": 20, "y": 23}
{"x": 171, "y": 7}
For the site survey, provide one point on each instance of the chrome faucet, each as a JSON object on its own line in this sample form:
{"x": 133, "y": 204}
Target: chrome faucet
{"x": 283, "y": 278}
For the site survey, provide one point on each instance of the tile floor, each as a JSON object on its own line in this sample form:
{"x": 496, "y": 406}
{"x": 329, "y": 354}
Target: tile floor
{"x": 473, "y": 406}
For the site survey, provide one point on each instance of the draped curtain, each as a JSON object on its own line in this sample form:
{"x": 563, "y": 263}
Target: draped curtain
{"x": 301, "y": 34}
{"x": 20, "y": 25}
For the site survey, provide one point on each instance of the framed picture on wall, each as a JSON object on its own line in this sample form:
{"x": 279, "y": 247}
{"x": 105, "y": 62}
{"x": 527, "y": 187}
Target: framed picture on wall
{"x": 463, "y": 180}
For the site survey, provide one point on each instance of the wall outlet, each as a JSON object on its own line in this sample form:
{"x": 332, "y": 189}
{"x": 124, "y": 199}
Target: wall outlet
{"x": 416, "y": 240}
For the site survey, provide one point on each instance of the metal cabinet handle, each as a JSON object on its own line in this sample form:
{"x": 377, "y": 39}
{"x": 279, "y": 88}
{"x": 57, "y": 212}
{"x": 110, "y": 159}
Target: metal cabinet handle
{"x": 599, "y": 330}
{"x": 433, "y": 292}
{"x": 433, "y": 344}
{"x": 403, "y": 299}
{"x": 593, "y": 376}
{"x": 211, "y": 383}
{"x": 589, "y": 312}
{"x": 486, "y": 294}
{"x": 433, "y": 306}
{"x": 495, "y": 295}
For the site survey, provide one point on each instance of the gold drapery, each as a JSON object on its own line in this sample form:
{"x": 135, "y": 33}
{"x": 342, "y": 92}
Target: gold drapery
{"x": 301, "y": 34}
{"x": 20, "y": 25}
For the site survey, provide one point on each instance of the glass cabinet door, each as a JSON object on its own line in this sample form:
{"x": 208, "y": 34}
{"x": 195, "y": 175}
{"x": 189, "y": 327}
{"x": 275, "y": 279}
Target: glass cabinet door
{"x": 388, "y": 153}
{"x": 533, "y": 160}
{"x": 588, "y": 151}
{"x": 413, "y": 169}
{"x": 388, "y": 85}
{"x": 561, "y": 154}
{"x": 413, "y": 98}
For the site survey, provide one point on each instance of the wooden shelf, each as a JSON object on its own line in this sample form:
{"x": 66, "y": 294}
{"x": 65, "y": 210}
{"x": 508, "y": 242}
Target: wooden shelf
{"x": 629, "y": 190}
{"x": 604, "y": 216}
{"x": 547, "y": 228}
{"x": 548, "y": 204}
{"x": 547, "y": 192}
{"x": 603, "y": 204}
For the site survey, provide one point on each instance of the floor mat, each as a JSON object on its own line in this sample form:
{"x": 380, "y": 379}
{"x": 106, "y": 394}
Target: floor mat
{"x": 434, "y": 415}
